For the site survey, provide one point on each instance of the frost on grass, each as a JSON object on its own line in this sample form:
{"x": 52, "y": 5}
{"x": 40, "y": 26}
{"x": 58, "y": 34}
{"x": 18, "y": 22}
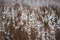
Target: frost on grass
{"x": 29, "y": 20}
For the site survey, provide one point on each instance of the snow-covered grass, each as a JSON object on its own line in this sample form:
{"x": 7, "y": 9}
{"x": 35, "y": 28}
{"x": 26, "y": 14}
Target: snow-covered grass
{"x": 33, "y": 18}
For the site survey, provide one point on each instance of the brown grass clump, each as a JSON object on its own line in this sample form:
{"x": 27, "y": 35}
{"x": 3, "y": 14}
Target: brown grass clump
{"x": 20, "y": 33}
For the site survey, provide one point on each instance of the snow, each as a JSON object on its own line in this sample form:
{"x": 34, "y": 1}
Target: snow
{"x": 58, "y": 22}
{"x": 46, "y": 12}
{"x": 24, "y": 16}
{"x": 16, "y": 27}
{"x": 32, "y": 19}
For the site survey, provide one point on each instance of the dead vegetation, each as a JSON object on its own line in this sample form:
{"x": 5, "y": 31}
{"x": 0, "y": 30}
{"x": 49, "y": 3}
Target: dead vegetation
{"x": 20, "y": 33}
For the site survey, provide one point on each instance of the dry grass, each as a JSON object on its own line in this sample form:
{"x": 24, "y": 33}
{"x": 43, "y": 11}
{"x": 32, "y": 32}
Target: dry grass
{"x": 20, "y": 33}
